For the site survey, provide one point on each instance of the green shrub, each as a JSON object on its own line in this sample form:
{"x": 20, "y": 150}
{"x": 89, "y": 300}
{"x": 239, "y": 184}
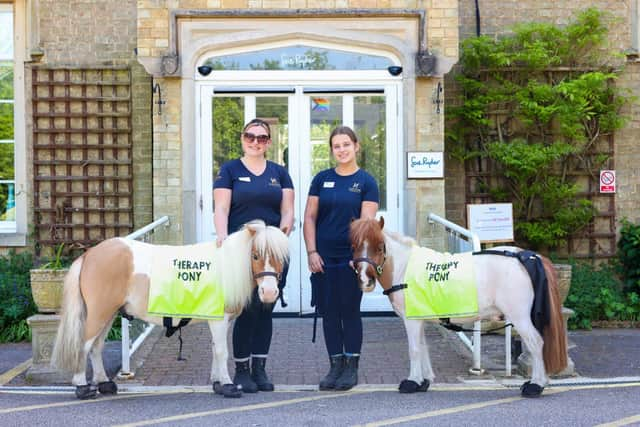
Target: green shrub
{"x": 629, "y": 256}
{"x": 16, "y": 302}
{"x": 596, "y": 294}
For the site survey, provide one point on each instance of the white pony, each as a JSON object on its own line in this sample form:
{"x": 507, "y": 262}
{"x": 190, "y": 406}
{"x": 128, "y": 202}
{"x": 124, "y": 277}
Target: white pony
{"x": 503, "y": 288}
{"x": 114, "y": 276}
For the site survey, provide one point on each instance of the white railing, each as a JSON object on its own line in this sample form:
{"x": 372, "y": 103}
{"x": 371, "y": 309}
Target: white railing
{"x": 129, "y": 348}
{"x": 463, "y": 240}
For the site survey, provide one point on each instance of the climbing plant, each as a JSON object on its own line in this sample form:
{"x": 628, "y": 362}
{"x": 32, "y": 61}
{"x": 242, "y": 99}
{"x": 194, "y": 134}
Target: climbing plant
{"x": 534, "y": 110}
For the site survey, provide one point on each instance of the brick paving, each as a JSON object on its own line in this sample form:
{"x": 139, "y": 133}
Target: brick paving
{"x": 295, "y": 360}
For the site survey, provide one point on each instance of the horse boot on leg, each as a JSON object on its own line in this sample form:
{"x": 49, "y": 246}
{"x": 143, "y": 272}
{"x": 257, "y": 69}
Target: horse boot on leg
{"x": 337, "y": 366}
{"x": 349, "y": 377}
{"x": 259, "y": 375}
{"x": 242, "y": 377}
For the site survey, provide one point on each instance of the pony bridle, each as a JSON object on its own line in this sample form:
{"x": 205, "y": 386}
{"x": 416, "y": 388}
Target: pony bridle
{"x": 267, "y": 273}
{"x": 379, "y": 268}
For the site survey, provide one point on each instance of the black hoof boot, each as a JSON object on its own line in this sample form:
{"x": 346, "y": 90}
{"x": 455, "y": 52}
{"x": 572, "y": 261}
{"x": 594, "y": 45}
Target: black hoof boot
{"x": 530, "y": 389}
{"x": 108, "y": 387}
{"x": 337, "y": 366}
{"x": 259, "y": 374}
{"x": 227, "y": 390}
{"x": 349, "y": 377}
{"x": 243, "y": 378}
{"x": 84, "y": 392}
{"x": 410, "y": 386}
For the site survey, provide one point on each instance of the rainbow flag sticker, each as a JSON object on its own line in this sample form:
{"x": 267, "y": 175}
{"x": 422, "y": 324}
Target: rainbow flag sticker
{"x": 320, "y": 104}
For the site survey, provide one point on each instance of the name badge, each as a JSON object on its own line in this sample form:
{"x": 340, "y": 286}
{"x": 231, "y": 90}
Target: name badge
{"x": 245, "y": 179}
{"x": 328, "y": 184}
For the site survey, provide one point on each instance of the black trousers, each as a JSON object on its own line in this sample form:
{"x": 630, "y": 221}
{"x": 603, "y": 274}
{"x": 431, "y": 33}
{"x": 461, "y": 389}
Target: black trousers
{"x": 338, "y": 298}
{"x": 252, "y": 330}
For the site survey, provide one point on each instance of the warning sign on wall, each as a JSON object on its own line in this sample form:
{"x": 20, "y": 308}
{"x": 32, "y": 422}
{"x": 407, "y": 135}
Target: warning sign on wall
{"x": 607, "y": 181}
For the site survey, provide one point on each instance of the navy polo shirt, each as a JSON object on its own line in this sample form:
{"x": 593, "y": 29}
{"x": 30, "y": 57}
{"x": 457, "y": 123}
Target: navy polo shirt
{"x": 340, "y": 201}
{"x": 253, "y": 196}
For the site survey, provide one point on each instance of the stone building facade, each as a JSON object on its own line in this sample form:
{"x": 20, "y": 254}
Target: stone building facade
{"x": 161, "y": 44}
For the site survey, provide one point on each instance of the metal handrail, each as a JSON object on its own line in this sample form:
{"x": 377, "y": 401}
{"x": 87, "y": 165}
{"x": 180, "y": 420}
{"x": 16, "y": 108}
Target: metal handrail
{"x": 127, "y": 348}
{"x": 474, "y": 345}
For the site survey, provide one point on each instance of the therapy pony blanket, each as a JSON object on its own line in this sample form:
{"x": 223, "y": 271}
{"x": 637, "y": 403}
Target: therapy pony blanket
{"x": 183, "y": 282}
{"x": 440, "y": 285}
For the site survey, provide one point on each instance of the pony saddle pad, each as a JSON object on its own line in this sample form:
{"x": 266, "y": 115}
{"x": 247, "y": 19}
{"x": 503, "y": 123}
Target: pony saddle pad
{"x": 183, "y": 282}
{"x": 440, "y": 285}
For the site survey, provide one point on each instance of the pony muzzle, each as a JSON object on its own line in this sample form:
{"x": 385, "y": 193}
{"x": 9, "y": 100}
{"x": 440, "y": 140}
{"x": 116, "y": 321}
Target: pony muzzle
{"x": 268, "y": 290}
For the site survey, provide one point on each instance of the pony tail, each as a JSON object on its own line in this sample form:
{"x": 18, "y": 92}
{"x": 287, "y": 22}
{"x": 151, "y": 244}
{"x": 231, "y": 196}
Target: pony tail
{"x": 555, "y": 337}
{"x": 67, "y": 354}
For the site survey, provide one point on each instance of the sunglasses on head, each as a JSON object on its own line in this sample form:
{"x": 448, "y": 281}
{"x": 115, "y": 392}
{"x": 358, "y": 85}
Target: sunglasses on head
{"x": 262, "y": 139}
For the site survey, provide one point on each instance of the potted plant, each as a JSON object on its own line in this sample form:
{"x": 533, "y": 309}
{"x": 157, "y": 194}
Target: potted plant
{"x": 47, "y": 282}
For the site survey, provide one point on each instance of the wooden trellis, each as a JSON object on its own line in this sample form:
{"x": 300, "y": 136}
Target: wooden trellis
{"x": 82, "y": 155}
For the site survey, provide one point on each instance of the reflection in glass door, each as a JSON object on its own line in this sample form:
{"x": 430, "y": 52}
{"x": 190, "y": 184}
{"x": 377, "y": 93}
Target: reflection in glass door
{"x": 301, "y": 119}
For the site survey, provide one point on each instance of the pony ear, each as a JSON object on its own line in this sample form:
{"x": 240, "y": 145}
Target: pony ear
{"x": 381, "y": 222}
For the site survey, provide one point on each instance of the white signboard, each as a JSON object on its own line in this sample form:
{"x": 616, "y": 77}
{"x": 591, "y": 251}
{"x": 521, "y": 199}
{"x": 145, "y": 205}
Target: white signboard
{"x": 607, "y": 181}
{"x": 421, "y": 164}
{"x": 492, "y": 222}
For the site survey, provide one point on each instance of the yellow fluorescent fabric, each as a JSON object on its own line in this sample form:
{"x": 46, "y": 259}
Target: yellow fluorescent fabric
{"x": 440, "y": 285}
{"x": 183, "y": 283}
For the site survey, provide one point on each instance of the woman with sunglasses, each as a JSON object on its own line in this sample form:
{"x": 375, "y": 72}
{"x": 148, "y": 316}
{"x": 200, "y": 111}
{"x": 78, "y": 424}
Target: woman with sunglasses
{"x": 336, "y": 197}
{"x": 245, "y": 189}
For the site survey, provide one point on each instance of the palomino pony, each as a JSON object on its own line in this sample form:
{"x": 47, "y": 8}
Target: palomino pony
{"x": 503, "y": 288}
{"x": 115, "y": 275}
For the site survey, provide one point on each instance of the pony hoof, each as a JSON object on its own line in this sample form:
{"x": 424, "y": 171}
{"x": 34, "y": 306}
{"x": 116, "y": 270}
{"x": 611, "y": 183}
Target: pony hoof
{"x": 108, "y": 387}
{"x": 410, "y": 386}
{"x": 84, "y": 392}
{"x": 227, "y": 390}
{"x": 530, "y": 389}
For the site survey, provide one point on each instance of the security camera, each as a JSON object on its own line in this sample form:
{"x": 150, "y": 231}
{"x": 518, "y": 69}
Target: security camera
{"x": 204, "y": 70}
{"x": 395, "y": 70}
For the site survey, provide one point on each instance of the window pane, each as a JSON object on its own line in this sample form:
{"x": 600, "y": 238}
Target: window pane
{"x": 299, "y": 58}
{"x": 370, "y": 126}
{"x": 7, "y": 202}
{"x": 228, "y": 118}
{"x": 326, "y": 114}
{"x": 6, "y": 162}
{"x": 6, "y": 31}
{"x": 275, "y": 111}
{"x": 6, "y": 121}
{"x": 6, "y": 80}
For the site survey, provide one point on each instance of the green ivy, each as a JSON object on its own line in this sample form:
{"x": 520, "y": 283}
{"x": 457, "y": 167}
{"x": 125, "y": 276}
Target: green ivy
{"x": 629, "y": 256}
{"x": 16, "y": 302}
{"x": 535, "y": 103}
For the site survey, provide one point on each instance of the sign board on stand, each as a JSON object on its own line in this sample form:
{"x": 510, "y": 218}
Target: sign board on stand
{"x": 492, "y": 222}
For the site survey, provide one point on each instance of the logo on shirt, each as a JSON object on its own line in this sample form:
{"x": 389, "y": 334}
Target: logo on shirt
{"x": 355, "y": 188}
{"x": 273, "y": 182}
{"x": 244, "y": 178}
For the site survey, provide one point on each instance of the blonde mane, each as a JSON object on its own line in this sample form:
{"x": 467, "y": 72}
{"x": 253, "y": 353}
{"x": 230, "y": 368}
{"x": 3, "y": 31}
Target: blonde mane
{"x": 234, "y": 259}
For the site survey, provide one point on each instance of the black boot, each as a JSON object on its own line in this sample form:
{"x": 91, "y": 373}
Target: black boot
{"x": 337, "y": 366}
{"x": 259, "y": 375}
{"x": 349, "y": 377}
{"x": 243, "y": 378}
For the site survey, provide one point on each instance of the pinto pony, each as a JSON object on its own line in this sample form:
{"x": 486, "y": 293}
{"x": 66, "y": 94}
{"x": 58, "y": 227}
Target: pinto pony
{"x": 115, "y": 275}
{"x": 503, "y": 288}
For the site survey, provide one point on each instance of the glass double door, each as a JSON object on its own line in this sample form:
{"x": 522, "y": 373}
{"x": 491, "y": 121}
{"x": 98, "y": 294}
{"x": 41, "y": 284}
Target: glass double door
{"x": 301, "y": 119}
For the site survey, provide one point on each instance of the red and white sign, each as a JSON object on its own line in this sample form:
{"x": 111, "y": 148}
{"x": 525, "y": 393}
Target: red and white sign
{"x": 607, "y": 181}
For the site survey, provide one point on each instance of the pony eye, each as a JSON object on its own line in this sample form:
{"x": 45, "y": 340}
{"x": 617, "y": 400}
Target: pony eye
{"x": 255, "y": 256}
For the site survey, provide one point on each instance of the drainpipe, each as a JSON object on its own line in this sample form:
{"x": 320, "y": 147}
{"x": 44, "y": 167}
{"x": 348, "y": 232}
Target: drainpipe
{"x": 477, "y": 18}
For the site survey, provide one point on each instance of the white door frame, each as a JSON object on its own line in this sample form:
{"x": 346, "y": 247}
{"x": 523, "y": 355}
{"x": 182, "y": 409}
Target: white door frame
{"x": 300, "y": 154}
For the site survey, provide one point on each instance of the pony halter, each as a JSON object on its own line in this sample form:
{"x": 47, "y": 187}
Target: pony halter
{"x": 378, "y": 267}
{"x": 268, "y": 273}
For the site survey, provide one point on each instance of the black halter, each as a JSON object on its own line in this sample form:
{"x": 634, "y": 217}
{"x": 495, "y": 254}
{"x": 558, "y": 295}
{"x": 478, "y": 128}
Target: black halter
{"x": 379, "y": 268}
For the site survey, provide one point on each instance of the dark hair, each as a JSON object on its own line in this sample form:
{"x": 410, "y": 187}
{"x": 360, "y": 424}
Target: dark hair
{"x": 258, "y": 122}
{"x": 343, "y": 130}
